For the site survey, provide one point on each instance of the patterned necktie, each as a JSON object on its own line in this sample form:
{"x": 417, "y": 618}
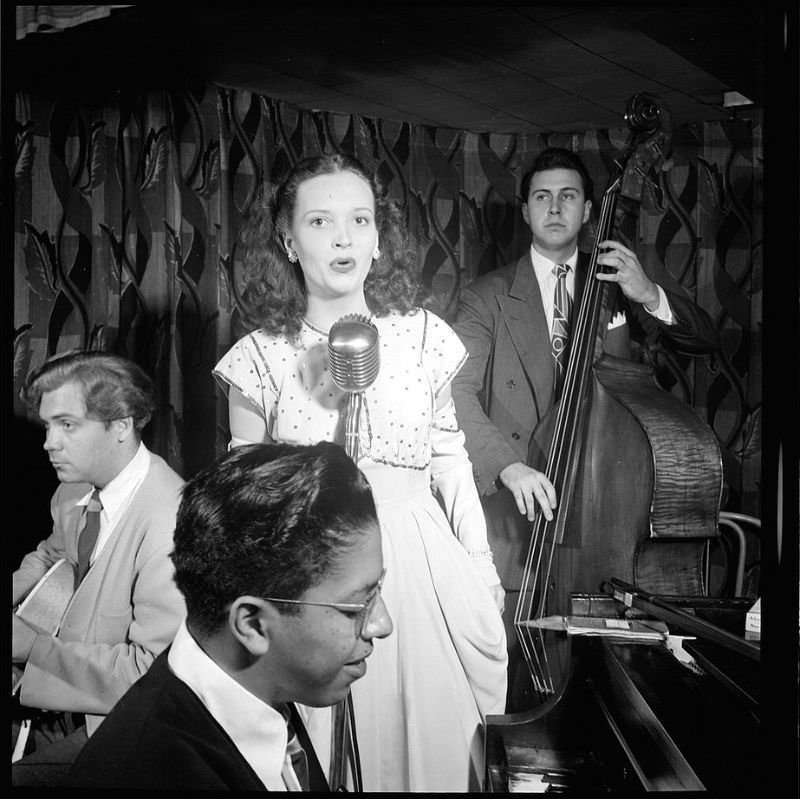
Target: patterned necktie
{"x": 88, "y": 537}
{"x": 295, "y": 766}
{"x": 562, "y": 305}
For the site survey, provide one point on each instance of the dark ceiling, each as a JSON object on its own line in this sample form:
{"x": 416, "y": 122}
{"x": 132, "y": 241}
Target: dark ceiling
{"x": 493, "y": 68}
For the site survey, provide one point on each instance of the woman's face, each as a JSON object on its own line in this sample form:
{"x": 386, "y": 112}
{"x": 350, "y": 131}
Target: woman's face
{"x": 333, "y": 233}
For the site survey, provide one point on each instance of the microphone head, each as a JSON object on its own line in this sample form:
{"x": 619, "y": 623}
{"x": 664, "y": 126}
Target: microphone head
{"x": 353, "y": 353}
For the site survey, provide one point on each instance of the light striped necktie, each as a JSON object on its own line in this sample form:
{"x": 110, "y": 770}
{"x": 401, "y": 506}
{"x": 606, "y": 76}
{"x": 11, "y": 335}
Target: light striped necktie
{"x": 88, "y": 536}
{"x": 562, "y": 306}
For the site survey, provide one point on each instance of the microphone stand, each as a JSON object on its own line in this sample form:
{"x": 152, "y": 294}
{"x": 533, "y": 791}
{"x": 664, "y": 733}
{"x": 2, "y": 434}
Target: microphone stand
{"x": 353, "y": 359}
{"x": 355, "y": 402}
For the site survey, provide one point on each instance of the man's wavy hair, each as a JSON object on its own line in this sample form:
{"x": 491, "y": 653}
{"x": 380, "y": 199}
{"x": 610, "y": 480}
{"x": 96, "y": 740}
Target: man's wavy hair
{"x": 113, "y": 387}
{"x": 266, "y": 520}
{"x": 274, "y": 289}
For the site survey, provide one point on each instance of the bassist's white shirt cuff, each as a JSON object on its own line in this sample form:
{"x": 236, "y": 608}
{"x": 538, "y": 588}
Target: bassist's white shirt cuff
{"x": 664, "y": 312}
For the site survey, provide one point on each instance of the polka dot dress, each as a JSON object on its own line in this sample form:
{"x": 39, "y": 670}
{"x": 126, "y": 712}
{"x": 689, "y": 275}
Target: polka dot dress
{"x": 429, "y": 684}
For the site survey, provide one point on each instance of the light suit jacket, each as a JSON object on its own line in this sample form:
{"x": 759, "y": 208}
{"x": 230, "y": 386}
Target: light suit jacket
{"x": 123, "y": 614}
{"x": 506, "y": 386}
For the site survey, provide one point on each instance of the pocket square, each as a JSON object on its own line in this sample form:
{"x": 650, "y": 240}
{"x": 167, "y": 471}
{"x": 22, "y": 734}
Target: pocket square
{"x": 618, "y": 320}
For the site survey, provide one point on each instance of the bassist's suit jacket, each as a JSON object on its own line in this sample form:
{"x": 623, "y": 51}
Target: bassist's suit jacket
{"x": 506, "y": 386}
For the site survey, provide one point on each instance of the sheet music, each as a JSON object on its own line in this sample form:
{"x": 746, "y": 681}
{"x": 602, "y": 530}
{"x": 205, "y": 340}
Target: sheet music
{"x": 525, "y": 782}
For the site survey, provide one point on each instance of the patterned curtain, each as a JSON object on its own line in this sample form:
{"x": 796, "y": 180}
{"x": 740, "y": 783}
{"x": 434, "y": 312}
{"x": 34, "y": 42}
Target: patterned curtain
{"x": 127, "y": 214}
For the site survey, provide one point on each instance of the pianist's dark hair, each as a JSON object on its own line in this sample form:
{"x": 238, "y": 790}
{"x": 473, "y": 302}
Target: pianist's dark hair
{"x": 266, "y": 520}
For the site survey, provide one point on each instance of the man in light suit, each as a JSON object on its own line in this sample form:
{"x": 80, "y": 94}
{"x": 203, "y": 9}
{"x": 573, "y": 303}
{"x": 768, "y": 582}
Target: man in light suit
{"x": 278, "y": 554}
{"x": 505, "y": 320}
{"x": 126, "y": 609}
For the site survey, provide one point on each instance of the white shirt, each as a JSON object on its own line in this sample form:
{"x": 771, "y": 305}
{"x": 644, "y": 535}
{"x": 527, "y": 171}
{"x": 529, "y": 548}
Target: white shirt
{"x": 258, "y": 730}
{"x": 117, "y": 495}
{"x": 543, "y": 269}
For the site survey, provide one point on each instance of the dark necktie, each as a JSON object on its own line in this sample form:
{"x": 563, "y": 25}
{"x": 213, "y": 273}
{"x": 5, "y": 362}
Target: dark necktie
{"x": 295, "y": 768}
{"x": 88, "y": 537}
{"x": 562, "y": 305}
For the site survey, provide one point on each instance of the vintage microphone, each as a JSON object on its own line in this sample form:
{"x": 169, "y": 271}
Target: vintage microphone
{"x": 354, "y": 360}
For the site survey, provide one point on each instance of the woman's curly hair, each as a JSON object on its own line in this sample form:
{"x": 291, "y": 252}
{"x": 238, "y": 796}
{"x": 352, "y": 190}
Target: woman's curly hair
{"x": 274, "y": 288}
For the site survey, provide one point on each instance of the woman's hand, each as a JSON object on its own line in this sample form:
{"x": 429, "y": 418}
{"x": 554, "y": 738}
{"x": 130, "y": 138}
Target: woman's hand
{"x": 499, "y": 596}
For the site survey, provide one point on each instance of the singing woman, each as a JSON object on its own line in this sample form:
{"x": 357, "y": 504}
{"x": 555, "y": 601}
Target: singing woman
{"x": 323, "y": 244}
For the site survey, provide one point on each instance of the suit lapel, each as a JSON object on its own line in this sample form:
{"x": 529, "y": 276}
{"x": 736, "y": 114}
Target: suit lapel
{"x": 523, "y": 313}
{"x": 130, "y": 519}
{"x": 582, "y": 267}
{"x": 137, "y": 503}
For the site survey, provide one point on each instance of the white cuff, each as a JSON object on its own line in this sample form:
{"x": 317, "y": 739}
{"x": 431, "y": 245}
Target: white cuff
{"x": 664, "y": 312}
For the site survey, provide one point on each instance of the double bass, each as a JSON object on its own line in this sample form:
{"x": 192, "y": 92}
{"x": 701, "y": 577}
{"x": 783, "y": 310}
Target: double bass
{"x": 638, "y": 474}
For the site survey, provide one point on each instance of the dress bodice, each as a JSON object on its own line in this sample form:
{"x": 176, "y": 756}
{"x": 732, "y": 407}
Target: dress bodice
{"x": 291, "y": 384}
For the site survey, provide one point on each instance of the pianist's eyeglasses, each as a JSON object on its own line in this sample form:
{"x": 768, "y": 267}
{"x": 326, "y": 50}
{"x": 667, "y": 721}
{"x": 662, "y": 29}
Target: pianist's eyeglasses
{"x": 361, "y": 611}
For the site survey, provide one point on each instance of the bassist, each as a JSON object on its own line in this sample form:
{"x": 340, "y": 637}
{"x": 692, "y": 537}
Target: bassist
{"x": 505, "y": 320}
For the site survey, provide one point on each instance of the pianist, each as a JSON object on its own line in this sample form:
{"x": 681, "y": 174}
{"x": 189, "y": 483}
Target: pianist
{"x": 278, "y": 554}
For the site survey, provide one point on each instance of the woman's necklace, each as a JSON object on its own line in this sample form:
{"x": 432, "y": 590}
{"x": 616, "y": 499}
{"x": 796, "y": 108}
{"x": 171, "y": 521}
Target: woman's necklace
{"x": 366, "y": 314}
{"x": 315, "y": 328}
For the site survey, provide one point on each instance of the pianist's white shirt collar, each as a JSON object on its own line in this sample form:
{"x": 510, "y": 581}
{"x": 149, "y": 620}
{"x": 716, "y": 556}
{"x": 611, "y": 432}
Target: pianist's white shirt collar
{"x": 258, "y": 730}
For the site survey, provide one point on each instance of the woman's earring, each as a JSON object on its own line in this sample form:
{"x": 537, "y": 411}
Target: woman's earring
{"x": 292, "y": 256}
{"x": 376, "y": 254}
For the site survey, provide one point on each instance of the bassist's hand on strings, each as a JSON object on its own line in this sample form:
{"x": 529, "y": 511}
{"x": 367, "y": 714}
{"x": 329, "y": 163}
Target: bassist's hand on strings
{"x": 530, "y": 488}
{"x": 628, "y": 273}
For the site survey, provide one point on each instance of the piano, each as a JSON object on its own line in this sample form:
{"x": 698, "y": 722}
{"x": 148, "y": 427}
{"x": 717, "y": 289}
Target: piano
{"x": 636, "y": 715}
